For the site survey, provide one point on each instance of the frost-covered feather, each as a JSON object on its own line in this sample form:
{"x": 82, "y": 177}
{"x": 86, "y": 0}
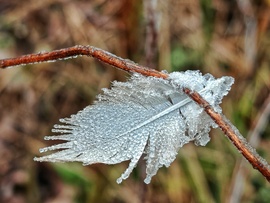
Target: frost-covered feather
{"x": 144, "y": 115}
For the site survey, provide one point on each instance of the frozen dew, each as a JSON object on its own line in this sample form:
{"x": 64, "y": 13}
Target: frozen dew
{"x": 145, "y": 116}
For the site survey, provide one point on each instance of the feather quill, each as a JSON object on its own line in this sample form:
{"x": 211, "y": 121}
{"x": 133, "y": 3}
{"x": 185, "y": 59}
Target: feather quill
{"x": 145, "y": 115}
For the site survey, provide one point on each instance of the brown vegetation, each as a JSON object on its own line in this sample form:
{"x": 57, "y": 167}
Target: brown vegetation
{"x": 223, "y": 38}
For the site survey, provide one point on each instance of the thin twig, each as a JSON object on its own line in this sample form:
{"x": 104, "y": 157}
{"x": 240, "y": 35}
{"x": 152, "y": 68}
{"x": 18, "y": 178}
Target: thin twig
{"x": 234, "y": 135}
{"x": 250, "y": 21}
{"x": 254, "y": 138}
{"x": 150, "y": 7}
{"x": 79, "y": 50}
{"x": 225, "y": 125}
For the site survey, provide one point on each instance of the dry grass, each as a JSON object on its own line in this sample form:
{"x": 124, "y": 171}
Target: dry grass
{"x": 219, "y": 37}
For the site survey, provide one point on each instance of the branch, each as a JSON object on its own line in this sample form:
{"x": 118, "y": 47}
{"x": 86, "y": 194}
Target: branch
{"x": 224, "y": 124}
{"x": 234, "y": 135}
{"x": 79, "y": 50}
{"x": 237, "y": 186}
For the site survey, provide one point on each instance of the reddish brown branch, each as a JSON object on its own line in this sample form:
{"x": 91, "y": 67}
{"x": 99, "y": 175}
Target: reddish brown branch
{"x": 230, "y": 131}
{"x": 233, "y": 134}
{"x": 80, "y": 50}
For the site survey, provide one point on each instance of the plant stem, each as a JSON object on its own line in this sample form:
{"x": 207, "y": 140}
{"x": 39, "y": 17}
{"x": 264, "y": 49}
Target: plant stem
{"x": 79, "y": 50}
{"x": 225, "y": 125}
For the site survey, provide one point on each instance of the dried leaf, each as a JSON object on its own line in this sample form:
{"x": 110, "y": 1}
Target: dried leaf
{"x": 145, "y": 115}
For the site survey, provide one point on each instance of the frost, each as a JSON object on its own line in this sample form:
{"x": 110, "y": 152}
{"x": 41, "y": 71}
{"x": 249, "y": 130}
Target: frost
{"x": 145, "y": 115}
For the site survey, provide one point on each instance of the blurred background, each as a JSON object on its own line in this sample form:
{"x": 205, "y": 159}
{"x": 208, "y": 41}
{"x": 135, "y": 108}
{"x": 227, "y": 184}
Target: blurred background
{"x": 220, "y": 37}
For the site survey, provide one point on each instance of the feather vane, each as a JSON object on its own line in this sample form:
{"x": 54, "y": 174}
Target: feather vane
{"x": 145, "y": 115}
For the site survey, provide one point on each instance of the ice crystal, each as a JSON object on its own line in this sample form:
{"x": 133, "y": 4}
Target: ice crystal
{"x": 145, "y": 115}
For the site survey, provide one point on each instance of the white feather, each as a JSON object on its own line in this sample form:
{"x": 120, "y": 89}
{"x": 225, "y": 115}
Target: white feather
{"x": 144, "y": 115}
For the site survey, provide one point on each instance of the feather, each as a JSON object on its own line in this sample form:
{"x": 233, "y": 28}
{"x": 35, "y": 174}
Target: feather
{"x": 145, "y": 115}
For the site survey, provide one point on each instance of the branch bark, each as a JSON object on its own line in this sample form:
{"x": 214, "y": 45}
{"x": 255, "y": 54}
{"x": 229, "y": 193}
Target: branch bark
{"x": 224, "y": 124}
